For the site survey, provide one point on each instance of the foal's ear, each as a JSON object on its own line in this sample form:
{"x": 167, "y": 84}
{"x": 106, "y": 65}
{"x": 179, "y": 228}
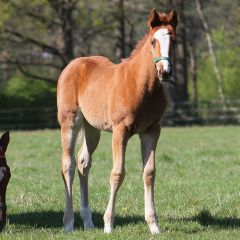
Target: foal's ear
{"x": 4, "y": 140}
{"x": 172, "y": 18}
{"x": 153, "y": 18}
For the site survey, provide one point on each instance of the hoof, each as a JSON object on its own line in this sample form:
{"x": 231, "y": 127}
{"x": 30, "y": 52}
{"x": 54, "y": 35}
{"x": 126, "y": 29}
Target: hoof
{"x": 69, "y": 227}
{"x": 86, "y": 216}
{"x": 88, "y": 226}
{"x": 154, "y": 228}
{"x": 108, "y": 228}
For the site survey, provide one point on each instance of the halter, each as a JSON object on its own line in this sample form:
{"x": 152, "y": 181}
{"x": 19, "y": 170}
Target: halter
{"x": 157, "y": 59}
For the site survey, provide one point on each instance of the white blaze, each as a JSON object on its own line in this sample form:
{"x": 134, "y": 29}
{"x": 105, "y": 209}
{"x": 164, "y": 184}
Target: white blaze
{"x": 164, "y": 40}
{"x": 2, "y": 170}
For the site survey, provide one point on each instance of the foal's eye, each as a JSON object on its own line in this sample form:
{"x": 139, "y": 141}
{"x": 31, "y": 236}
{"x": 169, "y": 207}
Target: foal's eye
{"x": 153, "y": 42}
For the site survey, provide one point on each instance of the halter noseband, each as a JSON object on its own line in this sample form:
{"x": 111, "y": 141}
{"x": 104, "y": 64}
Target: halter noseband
{"x": 157, "y": 59}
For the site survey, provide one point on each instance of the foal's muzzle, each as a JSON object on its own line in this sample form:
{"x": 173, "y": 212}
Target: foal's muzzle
{"x": 165, "y": 76}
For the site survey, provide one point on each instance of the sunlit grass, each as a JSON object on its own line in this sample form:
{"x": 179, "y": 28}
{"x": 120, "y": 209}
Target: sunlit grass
{"x": 197, "y": 188}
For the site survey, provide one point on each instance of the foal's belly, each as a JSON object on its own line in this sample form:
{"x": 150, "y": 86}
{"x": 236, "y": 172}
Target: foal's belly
{"x": 135, "y": 123}
{"x": 94, "y": 111}
{"x": 98, "y": 121}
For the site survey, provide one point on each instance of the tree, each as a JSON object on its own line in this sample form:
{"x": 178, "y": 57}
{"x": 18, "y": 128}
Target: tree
{"x": 212, "y": 53}
{"x": 54, "y": 32}
{"x": 121, "y": 33}
{"x": 39, "y": 38}
{"x": 181, "y": 90}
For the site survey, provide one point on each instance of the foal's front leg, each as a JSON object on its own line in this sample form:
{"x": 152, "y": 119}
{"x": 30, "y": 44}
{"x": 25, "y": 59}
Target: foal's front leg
{"x": 119, "y": 142}
{"x": 148, "y": 146}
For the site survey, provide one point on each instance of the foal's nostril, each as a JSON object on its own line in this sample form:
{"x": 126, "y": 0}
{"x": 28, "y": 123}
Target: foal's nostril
{"x": 165, "y": 74}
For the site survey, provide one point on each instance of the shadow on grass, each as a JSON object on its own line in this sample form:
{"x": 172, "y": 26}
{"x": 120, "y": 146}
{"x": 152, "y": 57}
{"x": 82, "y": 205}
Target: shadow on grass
{"x": 206, "y": 219}
{"x": 51, "y": 219}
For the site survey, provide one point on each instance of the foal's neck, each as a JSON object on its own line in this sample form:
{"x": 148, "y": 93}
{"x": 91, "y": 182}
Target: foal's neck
{"x": 142, "y": 62}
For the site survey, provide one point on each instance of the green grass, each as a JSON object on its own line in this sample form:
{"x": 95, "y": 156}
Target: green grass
{"x": 197, "y": 188}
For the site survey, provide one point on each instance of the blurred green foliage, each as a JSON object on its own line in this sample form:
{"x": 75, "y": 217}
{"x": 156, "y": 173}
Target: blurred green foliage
{"x": 23, "y": 92}
{"x": 32, "y": 34}
{"x": 227, "y": 56}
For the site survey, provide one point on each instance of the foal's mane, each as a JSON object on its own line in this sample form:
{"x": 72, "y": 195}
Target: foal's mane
{"x": 137, "y": 48}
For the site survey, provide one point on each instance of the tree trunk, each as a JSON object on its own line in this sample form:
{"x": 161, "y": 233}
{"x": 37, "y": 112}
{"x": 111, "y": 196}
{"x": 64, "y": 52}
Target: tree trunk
{"x": 193, "y": 71}
{"x": 212, "y": 53}
{"x": 121, "y": 34}
{"x": 4, "y": 67}
{"x": 64, "y": 10}
{"x": 181, "y": 91}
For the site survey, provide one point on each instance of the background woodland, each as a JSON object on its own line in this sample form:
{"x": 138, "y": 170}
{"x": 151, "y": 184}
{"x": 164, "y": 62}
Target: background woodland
{"x": 39, "y": 38}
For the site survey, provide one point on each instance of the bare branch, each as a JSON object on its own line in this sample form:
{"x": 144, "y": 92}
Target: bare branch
{"x": 28, "y": 74}
{"x": 50, "y": 49}
{"x": 43, "y": 19}
{"x": 12, "y": 62}
{"x": 91, "y": 32}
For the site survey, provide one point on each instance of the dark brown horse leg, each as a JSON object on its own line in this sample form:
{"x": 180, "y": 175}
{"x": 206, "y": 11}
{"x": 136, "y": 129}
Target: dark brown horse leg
{"x": 3, "y": 208}
{"x": 148, "y": 146}
{"x": 90, "y": 142}
{"x": 119, "y": 142}
{"x": 69, "y": 133}
{"x": 5, "y": 176}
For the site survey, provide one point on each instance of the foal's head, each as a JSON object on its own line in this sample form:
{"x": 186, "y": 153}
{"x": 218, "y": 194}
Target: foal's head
{"x": 163, "y": 38}
{"x": 4, "y": 178}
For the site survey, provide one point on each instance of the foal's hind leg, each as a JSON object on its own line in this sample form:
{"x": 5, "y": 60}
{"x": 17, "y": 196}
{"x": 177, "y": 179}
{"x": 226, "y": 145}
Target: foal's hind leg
{"x": 148, "y": 146}
{"x": 69, "y": 132}
{"x": 90, "y": 142}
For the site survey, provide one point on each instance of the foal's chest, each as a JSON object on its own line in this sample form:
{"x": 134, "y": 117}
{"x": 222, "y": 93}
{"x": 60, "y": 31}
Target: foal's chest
{"x": 142, "y": 111}
{"x": 151, "y": 111}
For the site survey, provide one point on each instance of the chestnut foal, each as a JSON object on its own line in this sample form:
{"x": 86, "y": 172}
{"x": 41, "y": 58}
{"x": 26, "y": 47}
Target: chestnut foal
{"x": 128, "y": 98}
{"x": 4, "y": 178}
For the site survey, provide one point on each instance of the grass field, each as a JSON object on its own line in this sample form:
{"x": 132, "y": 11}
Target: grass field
{"x": 197, "y": 190}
